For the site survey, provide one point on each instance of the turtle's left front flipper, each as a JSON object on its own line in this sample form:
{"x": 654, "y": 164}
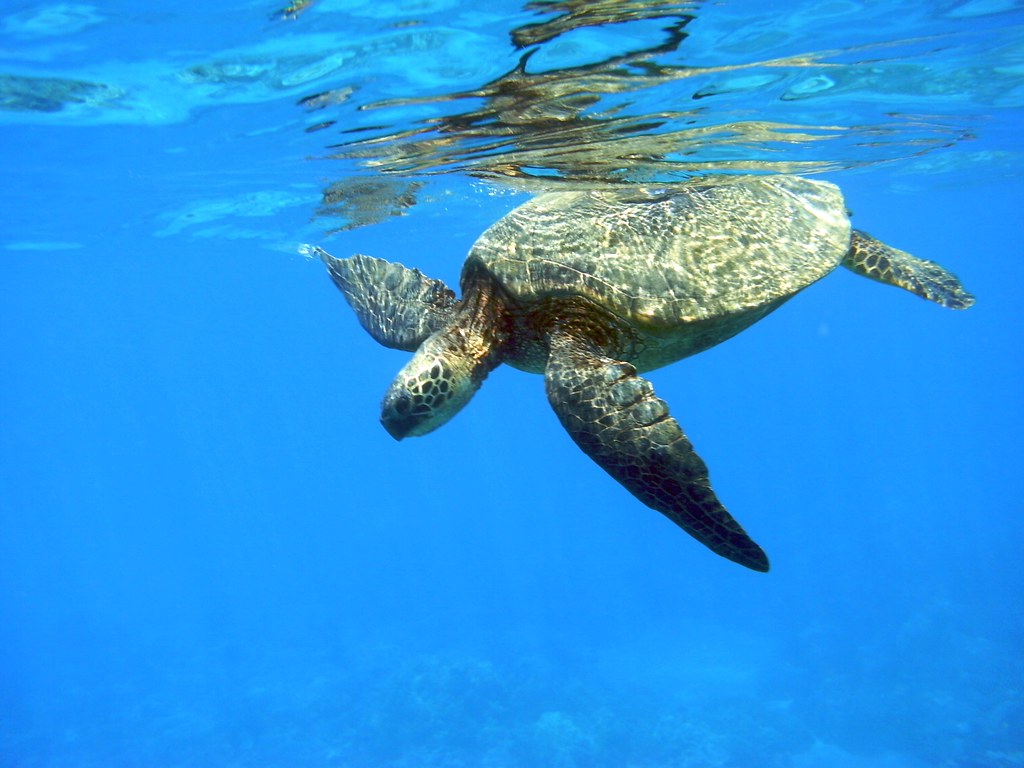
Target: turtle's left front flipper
{"x": 615, "y": 417}
{"x": 873, "y": 258}
{"x": 398, "y": 306}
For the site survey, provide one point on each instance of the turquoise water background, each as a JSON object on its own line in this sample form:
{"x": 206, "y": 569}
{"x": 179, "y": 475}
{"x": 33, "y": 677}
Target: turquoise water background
{"x": 211, "y": 554}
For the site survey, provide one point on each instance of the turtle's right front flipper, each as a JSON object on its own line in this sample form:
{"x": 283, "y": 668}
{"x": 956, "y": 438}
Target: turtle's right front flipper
{"x": 616, "y": 419}
{"x": 398, "y": 306}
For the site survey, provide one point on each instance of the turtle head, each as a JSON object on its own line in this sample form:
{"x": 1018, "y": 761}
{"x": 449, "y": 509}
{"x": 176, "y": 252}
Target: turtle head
{"x": 441, "y": 378}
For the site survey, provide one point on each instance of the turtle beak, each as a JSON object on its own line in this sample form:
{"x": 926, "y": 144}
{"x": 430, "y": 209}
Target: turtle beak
{"x": 397, "y": 428}
{"x": 401, "y": 418}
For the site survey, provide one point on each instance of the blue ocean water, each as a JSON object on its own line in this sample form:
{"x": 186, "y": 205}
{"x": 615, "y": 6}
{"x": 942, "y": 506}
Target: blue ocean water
{"x": 211, "y": 554}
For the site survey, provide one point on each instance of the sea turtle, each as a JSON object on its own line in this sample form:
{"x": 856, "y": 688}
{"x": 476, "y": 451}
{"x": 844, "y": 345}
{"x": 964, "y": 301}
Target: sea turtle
{"x": 592, "y": 287}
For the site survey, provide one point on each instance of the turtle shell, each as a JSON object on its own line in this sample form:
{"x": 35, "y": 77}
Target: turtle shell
{"x": 659, "y": 259}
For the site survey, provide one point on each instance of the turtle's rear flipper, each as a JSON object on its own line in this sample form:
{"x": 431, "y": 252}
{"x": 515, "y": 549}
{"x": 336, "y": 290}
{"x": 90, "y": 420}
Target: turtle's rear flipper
{"x": 616, "y": 418}
{"x": 873, "y": 258}
{"x": 398, "y": 306}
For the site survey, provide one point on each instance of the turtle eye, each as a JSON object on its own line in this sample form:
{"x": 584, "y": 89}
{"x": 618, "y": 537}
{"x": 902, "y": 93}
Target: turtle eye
{"x": 402, "y": 405}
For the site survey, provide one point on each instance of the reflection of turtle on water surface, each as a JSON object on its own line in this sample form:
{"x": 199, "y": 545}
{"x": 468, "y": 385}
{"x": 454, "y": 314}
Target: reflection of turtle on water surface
{"x": 591, "y": 287}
